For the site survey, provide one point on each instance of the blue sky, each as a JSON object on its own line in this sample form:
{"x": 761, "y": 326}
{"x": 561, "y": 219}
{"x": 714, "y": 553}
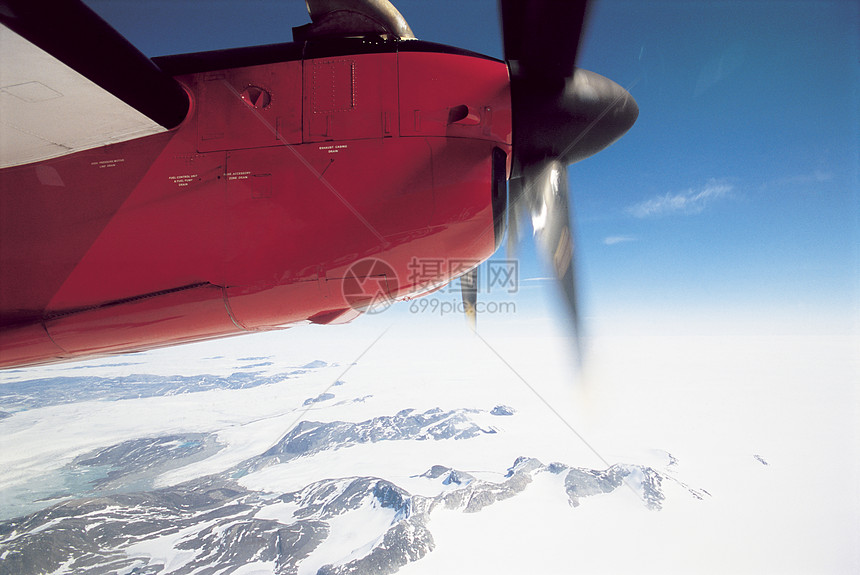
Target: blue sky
{"x": 735, "y": 196}
{"x": 737, "y": 188}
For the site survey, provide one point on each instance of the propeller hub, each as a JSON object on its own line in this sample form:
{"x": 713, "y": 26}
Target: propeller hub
{"x": 572, "y": 121}
{"x": 600, "y": 112}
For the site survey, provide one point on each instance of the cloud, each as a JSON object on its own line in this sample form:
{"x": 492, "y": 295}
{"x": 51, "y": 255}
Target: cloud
{"x": 686, "y": 203}
{"x": 816, "y": 177}
{"x": 612, "y": 240}
{"x": 720, "y": 68}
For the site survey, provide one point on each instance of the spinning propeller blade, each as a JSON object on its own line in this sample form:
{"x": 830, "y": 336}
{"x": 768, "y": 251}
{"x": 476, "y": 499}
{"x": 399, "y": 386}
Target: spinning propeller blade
{"x": 561, "y": 114}
{"x": 469, "y": 291}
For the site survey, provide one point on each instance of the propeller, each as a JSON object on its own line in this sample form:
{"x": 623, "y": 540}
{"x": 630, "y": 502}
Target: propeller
{"x": 561, "y": 114}
{"x": 469, "y": 291}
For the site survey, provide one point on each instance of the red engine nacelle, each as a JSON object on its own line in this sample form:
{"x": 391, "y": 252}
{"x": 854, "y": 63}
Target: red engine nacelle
{"x": 296, "y": 161}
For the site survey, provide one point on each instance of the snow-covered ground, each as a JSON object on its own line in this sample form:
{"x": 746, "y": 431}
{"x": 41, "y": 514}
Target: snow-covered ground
{"x": 755, "y": 438}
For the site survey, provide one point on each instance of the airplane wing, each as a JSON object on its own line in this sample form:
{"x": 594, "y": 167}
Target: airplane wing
{"x": 70, "y": 82}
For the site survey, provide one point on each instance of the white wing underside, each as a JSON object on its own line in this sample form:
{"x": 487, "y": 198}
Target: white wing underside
{"x": 47, "y": 109}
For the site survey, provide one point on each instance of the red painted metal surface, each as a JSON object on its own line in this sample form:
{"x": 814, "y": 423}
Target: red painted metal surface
{"x": 249, "y": 215}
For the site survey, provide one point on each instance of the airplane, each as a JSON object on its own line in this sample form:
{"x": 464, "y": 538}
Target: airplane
{"x": 153, "y": 202}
